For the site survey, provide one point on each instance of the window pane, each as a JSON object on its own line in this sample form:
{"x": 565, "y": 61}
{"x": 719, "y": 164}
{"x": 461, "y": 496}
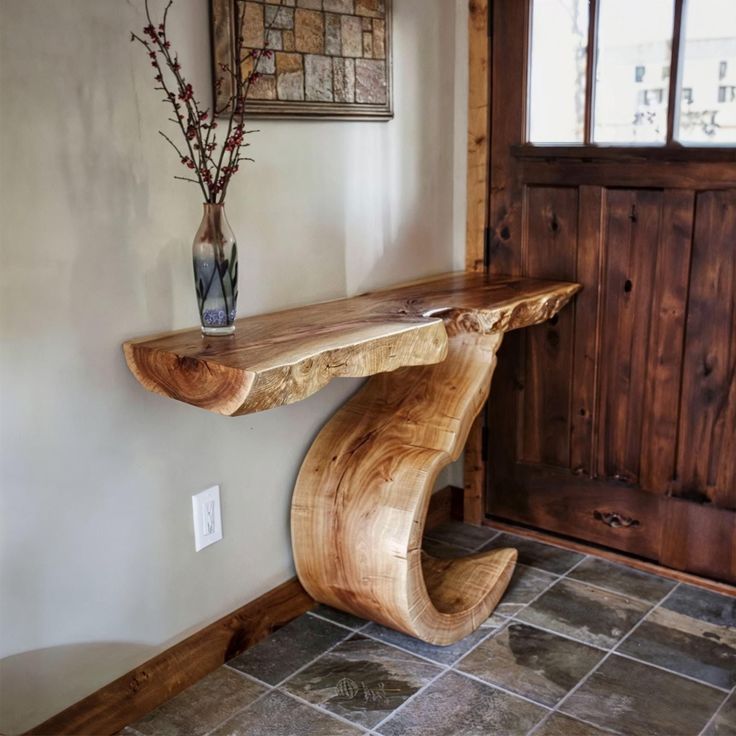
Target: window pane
{"x": 558, "y": 62}
{"x": 633, "y": 70}
{"x": 708, "y": 102}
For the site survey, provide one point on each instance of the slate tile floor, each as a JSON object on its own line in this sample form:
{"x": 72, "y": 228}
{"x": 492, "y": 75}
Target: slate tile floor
{"x": 578, "y": 647}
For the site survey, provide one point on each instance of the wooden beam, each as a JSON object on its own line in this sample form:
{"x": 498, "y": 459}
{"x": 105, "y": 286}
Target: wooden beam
{"x": 137, "y": 693}
{"x": 479, "y": 96}
{"x": 474, "y": 473}
{"x": 478, "y": 195}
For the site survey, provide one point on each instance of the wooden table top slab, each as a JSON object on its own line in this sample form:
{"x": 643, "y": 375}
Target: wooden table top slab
{"x": 286, "y": 356}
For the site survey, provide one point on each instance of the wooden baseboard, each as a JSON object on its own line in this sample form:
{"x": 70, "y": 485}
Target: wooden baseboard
{"x": 608, "y": 554}
{"x": 137, "y": 693}
{"x": 444, "y": 505}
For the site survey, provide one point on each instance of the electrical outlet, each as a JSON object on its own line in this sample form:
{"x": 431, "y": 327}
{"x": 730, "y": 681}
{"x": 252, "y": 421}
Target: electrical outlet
{"x": 207, "y": 518}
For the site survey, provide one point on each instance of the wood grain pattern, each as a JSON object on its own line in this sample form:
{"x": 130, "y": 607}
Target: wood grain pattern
{"x": 551, "y": 216}
{"x": 362, "y": 494}
{"x": 284, "y": 357}
{"x": 632, "y": 227}
{"x": 706, "y": 456}
{"x": 584, "y": 397}
{"x": 666, "y": 339}
{"x": 474, "y": 474}
{"x": 508, "y": 123}
{"x": 167, "y": 674}
{"x": 479, "y": 95}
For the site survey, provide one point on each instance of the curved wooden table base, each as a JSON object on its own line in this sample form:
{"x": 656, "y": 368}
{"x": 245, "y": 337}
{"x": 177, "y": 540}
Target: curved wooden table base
{"x": 363, "y": 492}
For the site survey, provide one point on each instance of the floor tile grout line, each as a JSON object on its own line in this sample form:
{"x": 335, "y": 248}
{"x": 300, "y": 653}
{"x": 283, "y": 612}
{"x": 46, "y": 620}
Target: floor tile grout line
{"x": 615, "y": 592}
{"x": 611, "y": 649}
{"x": 603, "y": 729}
{"x": 444, "y": 671}
{"x": 404, "y": 650}
{"x": 279, "y": 685}
{"x": 569, "y": 637}
{"x": 239, "y": 712}
{"x": 323, "y": 710}
{"x": 502, "y": 689}
{"x": 349, "y": 633}
{"x": 312, "y": 661}
{"x": 551, "y": 584}
{"x": 643, "y": 619}
{"x": 343, "y": 626}
{"x": 248, "y": 676}
{"x": 459, "y": 545}
{"x": 484, "y": 543}
{"x": 623, "y": 655}
{"x": 560, "y": 704}
{"x": 423, "y": 657}
{"x": 717, "y": 711}
{"x": 428, "y": 684}
{"x": 536, "y": 541}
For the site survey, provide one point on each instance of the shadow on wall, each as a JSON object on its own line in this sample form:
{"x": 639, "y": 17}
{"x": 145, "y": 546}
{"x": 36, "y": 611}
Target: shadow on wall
{"x": 39, "y": 684}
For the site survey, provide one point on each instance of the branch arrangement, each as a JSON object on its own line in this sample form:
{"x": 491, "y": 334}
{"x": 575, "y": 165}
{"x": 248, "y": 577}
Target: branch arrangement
{"x": 211, "y": 162}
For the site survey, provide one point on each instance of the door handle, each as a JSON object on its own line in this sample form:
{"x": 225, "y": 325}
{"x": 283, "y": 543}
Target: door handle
{"x": 615, "y": 520}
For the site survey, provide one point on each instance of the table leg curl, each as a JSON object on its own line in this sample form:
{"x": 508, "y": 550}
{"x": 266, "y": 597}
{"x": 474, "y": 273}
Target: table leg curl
{"x": 363, "y": 492}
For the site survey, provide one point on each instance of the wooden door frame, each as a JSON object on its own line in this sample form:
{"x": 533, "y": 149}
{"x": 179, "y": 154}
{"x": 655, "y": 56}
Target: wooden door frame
{"x": 479, "y": 125}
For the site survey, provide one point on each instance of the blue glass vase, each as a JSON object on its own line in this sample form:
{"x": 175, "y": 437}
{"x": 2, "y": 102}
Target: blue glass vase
{"x": 215, "y": 257}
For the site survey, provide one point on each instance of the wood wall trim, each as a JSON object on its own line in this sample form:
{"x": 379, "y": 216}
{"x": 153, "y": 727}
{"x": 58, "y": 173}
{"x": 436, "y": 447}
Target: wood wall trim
{"x": 137, "y": 693}
{"x": 479, "y": 96}
{"x": 607, "y": 554}
{"x": 479, "y": 129}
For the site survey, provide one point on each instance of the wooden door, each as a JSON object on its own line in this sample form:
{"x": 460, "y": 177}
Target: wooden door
{"x": 615, "y": 423}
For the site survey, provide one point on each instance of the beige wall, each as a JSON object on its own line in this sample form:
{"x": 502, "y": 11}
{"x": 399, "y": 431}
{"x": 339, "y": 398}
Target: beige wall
{"x": 97, "y": 563}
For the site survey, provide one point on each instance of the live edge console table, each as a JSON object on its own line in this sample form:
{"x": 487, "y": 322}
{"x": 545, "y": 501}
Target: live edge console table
{"x": 363, "y": 491}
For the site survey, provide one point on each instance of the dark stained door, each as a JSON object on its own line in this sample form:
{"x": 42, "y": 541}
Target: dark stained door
{"x": 615, "y": 422}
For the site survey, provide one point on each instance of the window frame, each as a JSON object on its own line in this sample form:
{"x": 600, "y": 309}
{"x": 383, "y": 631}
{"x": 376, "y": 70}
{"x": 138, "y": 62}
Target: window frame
{"x": 671, "y": 148}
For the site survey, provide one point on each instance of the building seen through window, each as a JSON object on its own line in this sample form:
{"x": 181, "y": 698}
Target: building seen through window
{"x": 632, "y": 69}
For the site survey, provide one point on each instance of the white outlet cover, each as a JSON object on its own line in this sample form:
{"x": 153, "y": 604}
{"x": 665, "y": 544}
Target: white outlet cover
{"x": 207, "y": 518}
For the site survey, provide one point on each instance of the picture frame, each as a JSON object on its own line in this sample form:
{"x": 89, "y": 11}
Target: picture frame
{"x": 331, "y": 59}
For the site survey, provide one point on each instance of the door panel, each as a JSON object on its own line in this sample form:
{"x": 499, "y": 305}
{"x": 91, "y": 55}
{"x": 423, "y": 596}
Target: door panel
{"x": 666, "y": 338}
{"x": 615, "y": 423}
{"x": 706, "y": 457}
{"x": 550, "y": 215}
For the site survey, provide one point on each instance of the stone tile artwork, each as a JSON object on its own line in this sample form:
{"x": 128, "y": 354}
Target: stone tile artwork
{"x": 330, "y": 57}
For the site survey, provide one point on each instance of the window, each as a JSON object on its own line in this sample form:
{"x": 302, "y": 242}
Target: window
{"x": 709, "y": 44}
{"x": 559, "y": 40}
{"x": 588, "y": 81}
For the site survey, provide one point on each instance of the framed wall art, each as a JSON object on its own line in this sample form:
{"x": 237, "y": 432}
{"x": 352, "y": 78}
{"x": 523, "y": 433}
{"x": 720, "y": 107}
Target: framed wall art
{"x": 330, "y": 58}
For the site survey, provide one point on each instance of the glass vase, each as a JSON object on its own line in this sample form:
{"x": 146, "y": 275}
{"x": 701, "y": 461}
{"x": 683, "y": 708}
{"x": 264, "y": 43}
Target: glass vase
{"x": 215, "y": 257}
